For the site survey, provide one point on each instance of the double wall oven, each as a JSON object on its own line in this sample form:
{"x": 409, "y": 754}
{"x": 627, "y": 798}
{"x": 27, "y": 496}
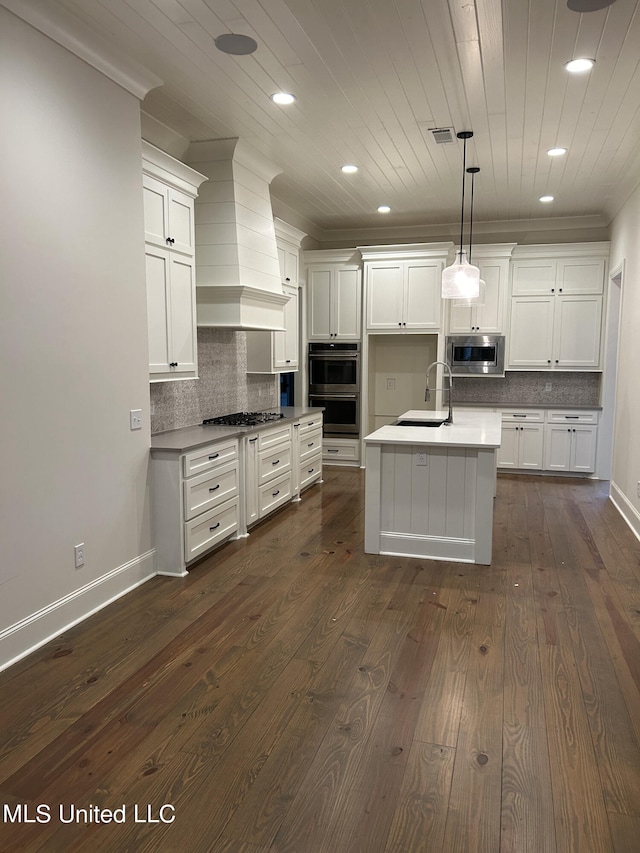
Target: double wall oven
{"x": 334, "y": 383}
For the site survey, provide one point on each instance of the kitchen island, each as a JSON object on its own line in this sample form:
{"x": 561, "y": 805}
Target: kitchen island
{"x": 430, "y": 489}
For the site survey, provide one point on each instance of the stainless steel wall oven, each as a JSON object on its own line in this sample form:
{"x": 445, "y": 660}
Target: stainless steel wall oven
{"x": 334, "y": 383}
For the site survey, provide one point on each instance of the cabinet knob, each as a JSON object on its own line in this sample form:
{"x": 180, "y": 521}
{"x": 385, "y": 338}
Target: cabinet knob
{"x": 399, "y": 324}
{"x": 553, "y": 290}
{"x": 559, "y": 290}
{"x": 287, "y": 279}
{"x": 170, "y": 240}
{"x": 557, "y": 360}
{"x": 548, "y": 361}
{"x": 173, "y": 364}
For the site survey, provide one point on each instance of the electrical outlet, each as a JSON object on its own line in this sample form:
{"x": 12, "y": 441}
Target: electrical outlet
{"x": 135, "y": 419}
{"x": 547, "y": 386}
{"x": 421, "y": 457}
{"x": 78, "y": 553}
{"x": 638, "y": 488}
{"x": 391, "y": 383}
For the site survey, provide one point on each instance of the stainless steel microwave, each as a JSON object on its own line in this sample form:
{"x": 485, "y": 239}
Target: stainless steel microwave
{"x": 476, "y": 355}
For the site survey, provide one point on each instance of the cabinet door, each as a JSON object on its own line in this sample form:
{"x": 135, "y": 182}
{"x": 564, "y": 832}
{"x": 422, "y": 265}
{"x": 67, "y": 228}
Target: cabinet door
{"x": 285, "y": 344}
{"x": 462, "y": 316}
{"x": 583, "y": 448}
{"x": 385, "y": 296}
{"x": 508, "y": 450}
{"x": 576, "y": 275}
{"x": 180, "y": 228}
{"x": 156, "y": 215}
{"x": 422, "y": 301}
{"x": 251, "y": 496}
{"x": 531, "y": 332}
{"x": 319, "y": 281}
{"x": 347, "y": 303}
{"x": 557, "y": 447}
{"x": 577, "y": 327}
{"x": 533, "y": 277}
{"x": 158, "y": 309}
{"x": 183, "y": 314}
{"x": 489, "y": 315}
{"x": 530, "y": 446}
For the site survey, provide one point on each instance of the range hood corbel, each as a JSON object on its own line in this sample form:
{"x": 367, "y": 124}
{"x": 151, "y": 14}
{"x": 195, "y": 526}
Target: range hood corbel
{"x": 239, "y": 283}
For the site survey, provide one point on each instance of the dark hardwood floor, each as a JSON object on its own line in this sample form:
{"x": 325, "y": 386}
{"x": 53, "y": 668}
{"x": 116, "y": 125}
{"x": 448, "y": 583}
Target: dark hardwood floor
{"x": 295, "y": 694}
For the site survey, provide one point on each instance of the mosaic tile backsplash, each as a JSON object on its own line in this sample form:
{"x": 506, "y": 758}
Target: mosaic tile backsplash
{"x": 223, "y": 387}
{"x": 529, "y": 388}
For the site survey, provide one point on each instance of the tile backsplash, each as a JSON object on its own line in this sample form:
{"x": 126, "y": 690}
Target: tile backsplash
{"x": 530, "y": 388}
{"x": 223, "y": 386}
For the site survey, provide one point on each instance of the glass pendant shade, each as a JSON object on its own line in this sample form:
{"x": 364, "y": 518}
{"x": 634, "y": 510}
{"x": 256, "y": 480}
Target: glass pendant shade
{"x": 461, "y": 280}
{"x": 477, "y": 302}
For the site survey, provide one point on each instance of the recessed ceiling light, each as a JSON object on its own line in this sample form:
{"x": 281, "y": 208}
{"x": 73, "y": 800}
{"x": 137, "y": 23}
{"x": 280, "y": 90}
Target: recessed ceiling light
{"x": 546, "y": 198}
{"x": 236, "y": 44}
{"x": 349, "y": 169}
{"x": 384, "y": 208}
{"x": 283, "y": 98}
{"x": 579, "y": 66}
{"x": 556, "y": 152}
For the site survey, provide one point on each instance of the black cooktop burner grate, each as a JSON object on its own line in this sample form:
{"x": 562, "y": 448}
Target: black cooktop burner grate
{"x": 243, "y": 419}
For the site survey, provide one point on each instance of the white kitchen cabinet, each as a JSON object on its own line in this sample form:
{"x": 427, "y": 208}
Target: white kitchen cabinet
{"x": 196, "y": 503}
{"x": 556, "y": 306}
{"x": 277, "y": 352}
{"x": 334, "y": 296}
{"x": 169, "y": 190}
{"x": 522, "y": 440}
{"x": 307, "y": 452}
{"x": 403, "y": 295}
{"x": 464, "y": 316}
{"x": 268, "y": 479}
{"x": 341, "y": 451}
{"x": 555, "y": 332}
{"x": 570, "y": 441}
{"x": 171, "y": 313}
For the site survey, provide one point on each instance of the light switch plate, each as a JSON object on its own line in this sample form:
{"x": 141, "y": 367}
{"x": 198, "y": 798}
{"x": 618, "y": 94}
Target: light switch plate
{"x": 135, "y": 419}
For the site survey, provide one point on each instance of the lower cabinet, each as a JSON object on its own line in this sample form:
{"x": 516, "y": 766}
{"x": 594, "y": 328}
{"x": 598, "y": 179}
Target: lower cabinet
{"x": 558, "y": 440}
{"x": 522, "y": 440}
{"x": 341, "y": 451}
{"x": 268, "y": 482}
{"x": 307, "y": 452}
{"x": 196, "y": 503}
{"x": 570, "y": 442}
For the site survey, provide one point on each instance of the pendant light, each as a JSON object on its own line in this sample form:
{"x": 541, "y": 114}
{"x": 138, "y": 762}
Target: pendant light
{"x": 479, "y": 299}
{"x": 461, "y": 280}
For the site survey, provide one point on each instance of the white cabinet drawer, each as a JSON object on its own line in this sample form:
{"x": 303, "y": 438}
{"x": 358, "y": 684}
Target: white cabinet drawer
{"x": 310, "y": 424}
{"x": 209, "y": 528}
{"x": 272, "y": 464}
{"x": 210, "y": 489}
{"x": 519, "y": 415}
{"x": 345, "y": 451}
{"x": 310, "y": 444}
{"x": 275, "y": 494}
{"x": 310, "y": 470}
{"x": 206, "y": 458}
{"x": 271, "y": 437}
{"x": 572, "y": 416}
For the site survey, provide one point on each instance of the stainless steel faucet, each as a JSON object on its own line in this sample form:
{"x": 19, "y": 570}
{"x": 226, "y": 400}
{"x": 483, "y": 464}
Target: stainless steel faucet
{"x": 427, "y": 392}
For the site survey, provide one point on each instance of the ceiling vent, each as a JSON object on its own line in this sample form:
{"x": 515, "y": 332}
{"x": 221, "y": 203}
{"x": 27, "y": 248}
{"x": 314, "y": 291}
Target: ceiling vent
{"x": 443, "y": 134}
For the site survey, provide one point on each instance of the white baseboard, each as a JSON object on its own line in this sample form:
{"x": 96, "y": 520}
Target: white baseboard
{"x": 24, "y": 637}
{"x": 625, "y": 508}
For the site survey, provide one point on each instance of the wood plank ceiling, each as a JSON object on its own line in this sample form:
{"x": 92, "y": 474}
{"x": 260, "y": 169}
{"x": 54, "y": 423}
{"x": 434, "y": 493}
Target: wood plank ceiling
{"x": 373, "y": 77}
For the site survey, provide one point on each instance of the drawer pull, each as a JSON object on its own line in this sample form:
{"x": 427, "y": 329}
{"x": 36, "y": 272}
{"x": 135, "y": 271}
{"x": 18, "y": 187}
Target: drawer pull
{"x": 572, "y": 417}
{"x": 215, "y": 456}
{"x": 251, "y": 440}
{"x": 214, "y": 488}
{"x": 329, "y": 450}
{"x": 277, "y": 462}
{"x": 215, "y": 526}
{"x": 311, "y": 470}
{"x": 311, "y": 443}
{"x": 273, "y": 494}
{"x": 519, "y": 416}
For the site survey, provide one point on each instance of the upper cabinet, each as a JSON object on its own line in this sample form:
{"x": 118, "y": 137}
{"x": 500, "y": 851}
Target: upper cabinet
{"x": 556, "y": 307}
{"x": 169, "y": 190}
{"x": 334, "y": 295}
{"x": 278, "y": 352}
{"x": 487, "y": 315}
{"x": 402, "y": 287}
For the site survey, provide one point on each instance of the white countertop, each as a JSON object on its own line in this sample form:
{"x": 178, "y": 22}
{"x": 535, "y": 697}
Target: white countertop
{"x": 469, "y": 429}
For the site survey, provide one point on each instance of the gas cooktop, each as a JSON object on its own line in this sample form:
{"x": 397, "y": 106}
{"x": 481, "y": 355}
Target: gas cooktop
{"x": 243, "y": 419}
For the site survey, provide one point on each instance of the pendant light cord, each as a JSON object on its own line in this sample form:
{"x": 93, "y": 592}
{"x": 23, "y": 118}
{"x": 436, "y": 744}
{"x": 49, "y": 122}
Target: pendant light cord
{"x": 464, "y": 174}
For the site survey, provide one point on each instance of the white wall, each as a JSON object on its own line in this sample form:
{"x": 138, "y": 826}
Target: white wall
{"x": 73, "y": 348}
{"x": 625, "y": 248}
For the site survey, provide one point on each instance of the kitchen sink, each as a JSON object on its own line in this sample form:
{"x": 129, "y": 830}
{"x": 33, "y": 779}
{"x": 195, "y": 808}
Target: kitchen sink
{"x": 420, "y": 423}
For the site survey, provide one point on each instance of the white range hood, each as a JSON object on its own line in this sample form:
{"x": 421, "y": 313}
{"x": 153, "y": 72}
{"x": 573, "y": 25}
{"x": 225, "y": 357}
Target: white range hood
{"x": 239, "y": 283}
